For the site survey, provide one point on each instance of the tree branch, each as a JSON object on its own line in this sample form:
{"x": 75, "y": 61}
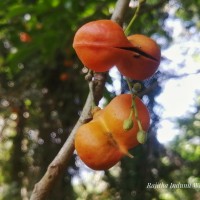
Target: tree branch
{"x": 59, "y": 164}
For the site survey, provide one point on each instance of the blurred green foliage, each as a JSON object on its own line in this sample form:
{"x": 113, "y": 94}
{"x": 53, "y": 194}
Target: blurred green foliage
{"x": 43, "y": 90}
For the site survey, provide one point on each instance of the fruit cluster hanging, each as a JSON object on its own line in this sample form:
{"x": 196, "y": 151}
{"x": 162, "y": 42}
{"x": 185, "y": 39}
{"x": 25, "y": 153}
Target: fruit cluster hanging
{"x": 123, "y": 123}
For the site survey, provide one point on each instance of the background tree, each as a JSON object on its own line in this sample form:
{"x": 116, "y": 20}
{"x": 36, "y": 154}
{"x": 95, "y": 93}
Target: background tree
{"x": 42, "y": 92}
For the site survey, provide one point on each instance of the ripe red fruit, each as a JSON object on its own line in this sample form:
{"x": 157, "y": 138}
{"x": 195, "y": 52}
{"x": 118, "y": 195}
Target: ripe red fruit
{"x": 25, "y": 37}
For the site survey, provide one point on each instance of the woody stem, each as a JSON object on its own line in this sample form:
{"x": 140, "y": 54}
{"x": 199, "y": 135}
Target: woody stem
{"x": 91, "y": 87}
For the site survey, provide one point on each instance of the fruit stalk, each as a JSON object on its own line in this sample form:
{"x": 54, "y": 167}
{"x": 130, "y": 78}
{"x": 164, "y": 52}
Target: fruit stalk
{"x": 134, "y": 17}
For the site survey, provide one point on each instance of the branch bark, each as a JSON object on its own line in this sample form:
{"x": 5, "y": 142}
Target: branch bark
{"x": 59, "y": 164}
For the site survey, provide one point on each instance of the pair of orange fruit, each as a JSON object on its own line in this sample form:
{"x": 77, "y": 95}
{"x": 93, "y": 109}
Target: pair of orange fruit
{"x": 102, "y": 44}
{"x": 102, "y": 142}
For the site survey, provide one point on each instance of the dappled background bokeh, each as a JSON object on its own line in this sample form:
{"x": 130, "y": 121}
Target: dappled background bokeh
{"x": 43, "y": 90}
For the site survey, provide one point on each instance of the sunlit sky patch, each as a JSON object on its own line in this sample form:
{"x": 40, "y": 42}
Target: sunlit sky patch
{"x": 179, "y": 95}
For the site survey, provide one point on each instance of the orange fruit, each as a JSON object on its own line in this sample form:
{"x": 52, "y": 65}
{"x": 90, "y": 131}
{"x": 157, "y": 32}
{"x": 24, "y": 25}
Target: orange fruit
{"x": 96, "y": 44}
{"x": 142, "y": 59}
